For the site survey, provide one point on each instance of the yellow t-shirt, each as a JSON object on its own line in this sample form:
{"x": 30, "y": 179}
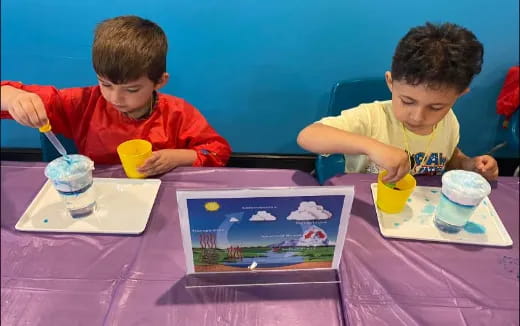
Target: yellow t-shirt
{"x": 377, "y": 120}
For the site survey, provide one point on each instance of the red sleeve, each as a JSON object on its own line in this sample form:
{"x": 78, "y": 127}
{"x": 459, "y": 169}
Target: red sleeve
{"x": 62, "y": 106}
{"x": 509, "y": 98}
{"x": 212, "y": 149}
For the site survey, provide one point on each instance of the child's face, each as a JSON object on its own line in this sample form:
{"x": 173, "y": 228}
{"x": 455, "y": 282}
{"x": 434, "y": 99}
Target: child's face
{"x": 420, "y": 108}
{"x": 132, "y": 96}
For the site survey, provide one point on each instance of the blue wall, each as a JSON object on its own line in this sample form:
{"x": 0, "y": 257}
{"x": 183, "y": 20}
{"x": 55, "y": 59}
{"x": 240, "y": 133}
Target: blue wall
{"x": 259, "y": 70}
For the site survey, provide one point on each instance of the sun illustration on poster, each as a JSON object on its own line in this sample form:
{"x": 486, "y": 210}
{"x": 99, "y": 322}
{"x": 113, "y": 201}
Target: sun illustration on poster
{"x": 211, "y": 206}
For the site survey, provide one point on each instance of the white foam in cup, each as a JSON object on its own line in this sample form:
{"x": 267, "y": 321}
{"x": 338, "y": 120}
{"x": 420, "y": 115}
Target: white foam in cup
{"x": 71, "y": 173}
{"x": 72, "y": 178}
{"x": 465, "y": 187}
{"x": 462, "y": 191}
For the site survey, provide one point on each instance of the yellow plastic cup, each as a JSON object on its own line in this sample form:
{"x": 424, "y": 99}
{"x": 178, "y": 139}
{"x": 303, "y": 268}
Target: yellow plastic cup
{"x": 393, "y": 199}
{"x": 132, "y": 154}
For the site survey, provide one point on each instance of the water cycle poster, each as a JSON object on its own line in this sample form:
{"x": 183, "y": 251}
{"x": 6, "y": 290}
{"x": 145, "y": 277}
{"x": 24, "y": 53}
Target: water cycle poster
{"x": 264, "y": 228}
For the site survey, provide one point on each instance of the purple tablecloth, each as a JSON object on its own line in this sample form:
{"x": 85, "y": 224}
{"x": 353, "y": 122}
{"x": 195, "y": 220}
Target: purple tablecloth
{"x": 401, "y": 282}
{"x": 67, "y": 279}
{"x": 71, "y": 279}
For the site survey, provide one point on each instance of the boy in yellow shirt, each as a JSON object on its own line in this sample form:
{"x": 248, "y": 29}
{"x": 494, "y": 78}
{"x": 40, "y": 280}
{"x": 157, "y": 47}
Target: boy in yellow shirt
{"x": 416, "y": 131}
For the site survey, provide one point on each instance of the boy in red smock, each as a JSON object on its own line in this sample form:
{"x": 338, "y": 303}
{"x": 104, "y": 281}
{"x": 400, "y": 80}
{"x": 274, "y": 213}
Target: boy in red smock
{"x": 129, "y": 57}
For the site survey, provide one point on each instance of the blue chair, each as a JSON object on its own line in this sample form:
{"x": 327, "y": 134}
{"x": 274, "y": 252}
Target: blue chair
{"x": 514, "y": 134}
{"x": 508, "y": 137}
{"x": 49, "y": 153}
{"x": 514, "y": 137}
{"x": 509, "y": 140}
{"x": 345, "y": 95}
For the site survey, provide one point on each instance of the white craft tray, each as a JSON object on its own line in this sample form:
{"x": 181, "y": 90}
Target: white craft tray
{"x": 123, "y": 207}
{"x": 416, "y": 221}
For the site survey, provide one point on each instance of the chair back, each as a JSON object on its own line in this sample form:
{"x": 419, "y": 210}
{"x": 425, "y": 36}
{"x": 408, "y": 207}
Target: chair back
{"x": 346, "y": 95}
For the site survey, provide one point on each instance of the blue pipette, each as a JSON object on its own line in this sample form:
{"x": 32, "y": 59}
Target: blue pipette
{"x": 47, "y": 131}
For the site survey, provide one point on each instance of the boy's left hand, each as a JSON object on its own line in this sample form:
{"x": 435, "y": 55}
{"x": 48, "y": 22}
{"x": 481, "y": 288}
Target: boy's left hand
{"x": 165, "y": 160}
{"x": 160, "y": 162}
{"x": 485, "y": 165}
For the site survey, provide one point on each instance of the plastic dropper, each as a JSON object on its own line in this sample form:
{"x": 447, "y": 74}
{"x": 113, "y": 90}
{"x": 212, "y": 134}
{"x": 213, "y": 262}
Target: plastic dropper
{"x": 46, "y": 130}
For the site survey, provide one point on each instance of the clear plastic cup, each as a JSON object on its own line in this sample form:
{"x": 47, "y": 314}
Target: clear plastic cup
{"x": 462, "y": 192}
{"x": 71, "y": 176}
{"x": 132, "y": 154}
{"x": 392, "y": 199}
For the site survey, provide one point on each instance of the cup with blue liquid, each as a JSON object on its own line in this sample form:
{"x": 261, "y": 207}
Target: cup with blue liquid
{"x": 461, "y": 193}
{"x": 71, "y": 176}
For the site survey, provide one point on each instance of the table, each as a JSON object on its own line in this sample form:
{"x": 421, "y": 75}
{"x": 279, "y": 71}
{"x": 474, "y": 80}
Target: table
{"x": 403, "y": 282}
{"x": 66, "y": 279}
{"x": 71, "y": 279}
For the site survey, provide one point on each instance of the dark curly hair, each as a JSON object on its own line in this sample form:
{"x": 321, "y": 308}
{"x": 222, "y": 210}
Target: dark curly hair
{"x": 444, "y": 55}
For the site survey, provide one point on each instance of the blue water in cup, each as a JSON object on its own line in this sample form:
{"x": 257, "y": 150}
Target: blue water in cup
{"x": 72, "y": 179}
{"x": 462, "y": 192}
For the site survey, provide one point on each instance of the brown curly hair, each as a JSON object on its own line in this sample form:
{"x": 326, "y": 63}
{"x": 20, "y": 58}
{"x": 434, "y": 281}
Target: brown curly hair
{"x": 128, "y": 47}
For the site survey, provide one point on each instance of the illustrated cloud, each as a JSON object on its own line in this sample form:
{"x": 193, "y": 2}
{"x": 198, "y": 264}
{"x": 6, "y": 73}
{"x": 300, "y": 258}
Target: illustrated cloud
{"x": 308, "y": 211}
{"x": 261, "y": 216}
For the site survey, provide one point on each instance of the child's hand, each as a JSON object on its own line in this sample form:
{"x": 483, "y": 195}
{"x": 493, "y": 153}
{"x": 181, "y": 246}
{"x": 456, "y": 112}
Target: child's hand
{"x": 394, "y": 160}
{"x": 165, "y": 160}
{"x": 27, "y": 108}
{"x": 485, "y": 165}
{"x": 160, "y": 162}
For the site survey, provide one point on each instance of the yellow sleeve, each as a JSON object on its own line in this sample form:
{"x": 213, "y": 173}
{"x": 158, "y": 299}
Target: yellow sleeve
{"x": 355, "y": 120}
{"x": 453, "y": 125}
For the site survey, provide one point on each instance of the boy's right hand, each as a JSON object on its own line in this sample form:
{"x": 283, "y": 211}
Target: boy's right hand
{"x": 26, "y": 108}
{"x": 394, "y": 160}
